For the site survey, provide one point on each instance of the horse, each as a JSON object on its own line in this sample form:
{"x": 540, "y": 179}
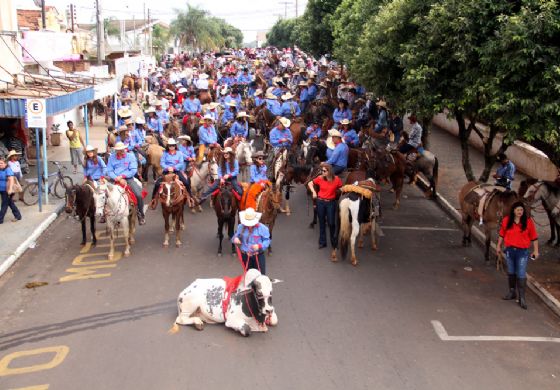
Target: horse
{"x": 111, "y": 202}
{"x": 243, "y": 154}
{"x": 80, "y": 199}
{"x": 269, "y": 205}
{"x": 172, "y": 197}
{"x": 389, "y": 166}
{"x": 427, "y": 164}
{"x": 497, "y": 205}
{"x": 225, "y": 206}
{"x": 297, "y": 128}
{"x": 201, "y": 177}
{"x": 153, "y": 157}
{"x": 173, "y": 129}
{"x": 358, "y": 211}
{"x": 533, "y": 190}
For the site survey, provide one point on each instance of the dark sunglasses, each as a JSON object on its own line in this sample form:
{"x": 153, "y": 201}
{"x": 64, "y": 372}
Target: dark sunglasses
{"x": 260, "y": 159}
{"x": 324, "y": 170}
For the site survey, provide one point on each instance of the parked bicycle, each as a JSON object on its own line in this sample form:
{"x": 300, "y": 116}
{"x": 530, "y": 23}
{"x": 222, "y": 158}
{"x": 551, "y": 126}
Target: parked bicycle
{"x": 57, "y": 187}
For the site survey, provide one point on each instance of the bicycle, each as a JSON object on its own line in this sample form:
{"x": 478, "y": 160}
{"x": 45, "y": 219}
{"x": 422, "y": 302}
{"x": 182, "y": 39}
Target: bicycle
{"x": 58, "y": 187}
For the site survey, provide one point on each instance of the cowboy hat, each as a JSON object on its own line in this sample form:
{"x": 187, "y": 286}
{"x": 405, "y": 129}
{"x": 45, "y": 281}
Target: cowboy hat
{"x": 258, "y": 154}
{"x": 90, "y": 148}
{"x": 302, "y": 84}
{"x": 150, "y": 110}
{"x": 381, "y": 103}
{"x": 208, "y": 117}
{"x": 12, "y": 153}
{"x": 185, "y": 137}
{"x": 335, "y": 133}
{"x": 213, "y": 105}
{"x": 183, "y": 90}
{"x": 128, "y": 122}
{"x": 285, "y": 122}
{"x": 258, "y": 92}
{"x": 321, "y": 84}
{"x": 345, "y": 122}
{"x": 330, "y": 143}
{"x": 203, "y": 76}
{"x": 231, "y": 103}
{"x": 270, "y": 95}
{"x": 157, "y": 103}
{"x": 242, "y": 114}
{"x": 249, "y": 217}
{"x": 140, "y": 121}
{"x": 287, "y": 96}
{"x": 119, "y": 146}
{"x": 227, "y": 150}
{"x": 171, "y": 141}
{"x": 123, "y": 128}
{"x": 124, "y": 112}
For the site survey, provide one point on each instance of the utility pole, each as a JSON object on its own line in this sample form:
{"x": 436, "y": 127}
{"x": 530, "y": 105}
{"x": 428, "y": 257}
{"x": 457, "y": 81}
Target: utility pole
{"x": 43, "y": 14}
{"x": 145, "y": 31}
{"x": 297, "y": 8}
{"x": 72, "y": 17}
{"x": 150, "y": 34}
{"x": 100, "y": 33}
{"x": 285, "y": 8}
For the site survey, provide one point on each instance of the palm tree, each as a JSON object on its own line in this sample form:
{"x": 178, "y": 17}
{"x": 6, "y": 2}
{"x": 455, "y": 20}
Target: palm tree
{"x": 195, "y": 29}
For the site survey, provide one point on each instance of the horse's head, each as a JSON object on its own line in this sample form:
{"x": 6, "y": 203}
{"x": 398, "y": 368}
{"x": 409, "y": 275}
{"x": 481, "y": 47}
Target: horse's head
{"x": 276, "y": 198}
{"x": 535, "y": 192}
{"x": 100, "y": 196}
{"x": 70, "y": 199}
{"x": 244, "y": 152}
{"x": 225, "y": 200}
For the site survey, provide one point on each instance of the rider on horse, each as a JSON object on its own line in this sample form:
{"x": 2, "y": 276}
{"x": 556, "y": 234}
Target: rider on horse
{"x": 95, "y": 168}
{"x": 290, "y": 109}
{"x": 207, "y": 137}
{"x": 228, "y": 170}
{"x": 338, "y": 159}
{"x": 313, "y": 132}
{"x": 155, "y": 125}
{"x": 259, "y": 181}
{"x": 240, "y": 127}
{"x": 280, "y": 136}
{"x": 253, "y": 238}
{"x": 172, "y": 161}
{"x": 349, "y": 135}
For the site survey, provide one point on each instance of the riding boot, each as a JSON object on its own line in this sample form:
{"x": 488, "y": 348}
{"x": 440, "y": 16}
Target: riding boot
{"x": 521, "y": 284}
{"x": 512, "y": 294}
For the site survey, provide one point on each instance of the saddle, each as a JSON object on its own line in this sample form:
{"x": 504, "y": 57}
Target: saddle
{"x": 480, "y": 196}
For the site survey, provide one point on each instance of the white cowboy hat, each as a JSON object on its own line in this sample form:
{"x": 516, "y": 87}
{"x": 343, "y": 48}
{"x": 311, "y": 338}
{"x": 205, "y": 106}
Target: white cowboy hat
{"x": 183, "y": 90}
{"x": 159, "y": 75}
{"x": 228, "y": 150}
{"x": 213, "y": 105}
{"x": 330, "y": 143}
{"x": 208, "y": 117}
{"x": 171, "y": 141}
{"x": 119, "y": 146}
{"x": 242, "y": 114}
{"x": 203, "y": 76}
{"x": 381, "y": 103}
{"x": 258, "y": 92}
{"x": 12, "y": 153}
{"x": 302, "y": 84}
{"x": 321, "y": 84}
{"x": 249, "y": 217}
{"x": 157, "y": 103}
{"x": 231, "y": 104}
{"x": 128, "y": 122}
{"x": 150, "y": 109}
{"x": 123, "y": 128}
{"x": 345, "y": 122}
{"x": 89, "y": 148}
{"x": 285, "y": 122}
{"x": 140, "y": 121}
{"x": 335, "y": 133}
{"x": 270, "y": 95}
{"x": 224, "y": 89}
{"x": 287, "y": 96}
{"x": 124, "y": 112}
{"x": 186, "y": 137}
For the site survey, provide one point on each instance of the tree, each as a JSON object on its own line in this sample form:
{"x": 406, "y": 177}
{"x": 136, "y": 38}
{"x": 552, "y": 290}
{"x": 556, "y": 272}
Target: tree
{"x": 314, "y": 32}
{"x": 282, "y": 34}
{"x": 160, "y": 39}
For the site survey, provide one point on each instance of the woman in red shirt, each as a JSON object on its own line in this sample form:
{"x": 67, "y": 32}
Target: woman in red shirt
{"x": 516, "y": 234}
{"x": 328, "y": 185}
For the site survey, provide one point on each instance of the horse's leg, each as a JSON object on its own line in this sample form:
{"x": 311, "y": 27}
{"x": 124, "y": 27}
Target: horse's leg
{"x": 353, "y": 236}
{"x": 166, "y": 222}
{"x": 465, "y": 224}
{"x": 287, "y": 209}
{"x": 92, "y": 228}
{"x": 374, "y": 234}
{"x": 398, "y": 186}
{"x": 84, "y": 232}
{"x": 220, "y": 235}
{"x": 132, "y": 227}
{"x": 111, "y": 229}
{"x": 125, "y": 224}
{"x": 231, "y": 231}
{"x": 488, "y": 237}
{"x": 178, "y": 242}
{"x": 172, "y": 224}
{"x": 361, "y": 234}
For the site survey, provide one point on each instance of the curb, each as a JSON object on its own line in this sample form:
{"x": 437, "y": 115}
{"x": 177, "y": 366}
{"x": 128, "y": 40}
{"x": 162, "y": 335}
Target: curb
{"x": 549, "y": 300}
{"x": 20, "y": 250}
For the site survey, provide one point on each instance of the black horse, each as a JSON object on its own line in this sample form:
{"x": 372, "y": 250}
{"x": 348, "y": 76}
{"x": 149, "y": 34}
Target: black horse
{"x": 80, "y": 199}
{"x": 225, "y": 206}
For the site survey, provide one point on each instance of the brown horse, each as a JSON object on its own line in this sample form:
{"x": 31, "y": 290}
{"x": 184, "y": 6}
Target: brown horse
{"x": 173, "y": 129}
{"x": 269, "y": 206}
{"x": 297, "y": 128}
{"x": 172, "y": 197}
{"x": 497, "y": 205}
{"x": 548, "y": 208}
{"x": 388, "y": 166}
{"x": 225, "y": 206}
{"x": 80, "y": 199}
{"x": 153, "y": 156}
{"x": 204, "y": 97}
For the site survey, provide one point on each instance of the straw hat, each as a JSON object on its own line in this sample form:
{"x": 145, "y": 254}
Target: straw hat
{"x": 345, "y": 122}
{"x": 270, "y": 95}
{"x": 213, "y": 105}
{"x": 242, "y": 114}
{"x": 258, "y": 154}
{"x": 258, "y": 92}
{"x": 157, "y": 103}
{"x": 123, "y": 128}
{"x": 128, "y": 122}
{"x": 208, "y": 117}
{"x": 140, "y": 121}
{"x": 285, "y": 122}
{"x": 249, "y": 217}
{"x": 228, "y": 150}
{"x": 12, "y": 153}
{"x": 381, "y": 103}
{"x": 119, "y": 146}
{"x": 171, "y": 141}
{"x": 287, "y": 96}
{"x": 330, "y": 143}
{"x": 185, "y": 137}
{"x": 302, "y": 84}
{"x": 150, "y": 110}
{"x": 231, "y": 104}
{"x": 124, "y": 112}
{"x": 335, "y": 133}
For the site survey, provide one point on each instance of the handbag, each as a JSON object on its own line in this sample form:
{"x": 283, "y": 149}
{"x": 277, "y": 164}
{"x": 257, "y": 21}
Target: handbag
{"x": 16, "y": 187}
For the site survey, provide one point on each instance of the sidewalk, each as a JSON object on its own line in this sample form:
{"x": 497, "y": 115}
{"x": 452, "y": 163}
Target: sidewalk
{"x": 546, "y": 270}
{"x": 16, "y": 237}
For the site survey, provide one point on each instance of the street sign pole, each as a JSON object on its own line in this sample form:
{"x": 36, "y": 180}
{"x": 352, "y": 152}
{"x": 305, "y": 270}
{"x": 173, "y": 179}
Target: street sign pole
{"x": 39, "y": 175}
{"x": 86, "y": 123}
{"x": 45, "y": 166}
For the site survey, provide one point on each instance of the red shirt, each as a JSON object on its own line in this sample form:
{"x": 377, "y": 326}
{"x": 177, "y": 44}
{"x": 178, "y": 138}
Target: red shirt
{"x": 327, "y": 189}
{"x": 517, "y": 238}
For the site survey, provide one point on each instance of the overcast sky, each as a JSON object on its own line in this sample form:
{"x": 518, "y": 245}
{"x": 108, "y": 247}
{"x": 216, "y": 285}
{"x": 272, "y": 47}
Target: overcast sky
{"x": 249, "y": 16}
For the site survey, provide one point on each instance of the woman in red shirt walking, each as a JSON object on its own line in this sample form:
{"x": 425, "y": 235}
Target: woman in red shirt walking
{"x": 328, "y": 185}
{"x": 516, "y": 234}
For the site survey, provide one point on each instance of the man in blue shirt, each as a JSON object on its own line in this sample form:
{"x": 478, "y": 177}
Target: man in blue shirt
{"x": 505, "y": 173}
{"x": 244, "y": 78}
{"x": 290, "y": 109}
{"x": 303, "y": 96}
{"x": 280, "y": 136}
{"x": 313, "y": 132}
{"x": 312, "y": 89}
{"x": 192, "y": 104}
{"x": 339, "y": 156}
{"x": 273, "y": 105}
{"x": 161, "y": 113}
{"x": 258, "y": 98}
{"x": 121, "y": 168}
{"x": 253, "y": 238}
{"x": 349, "y": 135}
{"x": 7, "y": 179}
{"x": 240, "y": 129}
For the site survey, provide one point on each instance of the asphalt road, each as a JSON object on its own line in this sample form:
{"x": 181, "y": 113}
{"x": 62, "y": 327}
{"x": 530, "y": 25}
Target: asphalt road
{"x": 368, "y": 327}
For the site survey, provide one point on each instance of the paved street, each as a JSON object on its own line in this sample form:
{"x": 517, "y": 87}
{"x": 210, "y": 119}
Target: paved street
{"x": 102, "y": 325}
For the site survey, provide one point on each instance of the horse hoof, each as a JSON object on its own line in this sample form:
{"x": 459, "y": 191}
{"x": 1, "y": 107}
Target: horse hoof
{"x": 219, "y": 254}
{"x": 126, "y": 253}
{"x": 311, "y": 225}
{"x": 178, "y": 244}
{"x": 199, "y": 326}
{"x": 354, "y": 263}
{"x": 132, "y": 241}
{"x": 165, "y": 244}
{"x": 374, "y": 247}
{"x": 110, "y": 257}
{"x": 83, "y": 243}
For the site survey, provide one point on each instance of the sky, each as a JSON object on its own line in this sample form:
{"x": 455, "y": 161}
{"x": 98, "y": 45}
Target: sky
{"x": 243, "y": 14}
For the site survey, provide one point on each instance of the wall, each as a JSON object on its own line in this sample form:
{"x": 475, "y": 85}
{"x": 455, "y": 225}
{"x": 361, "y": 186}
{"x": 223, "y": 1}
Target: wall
{"x": 8, "y": 22}
{"x": 526, "y": 158}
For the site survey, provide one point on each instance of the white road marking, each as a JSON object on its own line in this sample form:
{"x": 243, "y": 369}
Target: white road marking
{"x": 419, "y": 228}
{"x": 442, "y": 334}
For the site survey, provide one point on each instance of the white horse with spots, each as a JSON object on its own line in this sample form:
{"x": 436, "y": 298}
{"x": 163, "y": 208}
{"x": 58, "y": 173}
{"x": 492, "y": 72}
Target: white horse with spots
{"x": 244, "y": 304}
{"x": 111, "y": 202}
{"x": 244, "y": 156}
{"x": 201, "y": 177}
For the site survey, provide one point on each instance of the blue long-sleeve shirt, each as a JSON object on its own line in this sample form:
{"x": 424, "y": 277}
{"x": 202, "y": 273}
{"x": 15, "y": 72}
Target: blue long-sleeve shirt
{"x": 339, "y": 115}
{"x": 339, "y": 156}
{"x": 207, "y": 135}
{"x": 381, "y": 121}
{"x": 259, "y": 101}
{"x": 239, "y": 129}
{"x": 312, "y": 91}
{"x": 175, "y": 161}
{"x": 304, "y": 95}
{"x": 351, "y": 137}
{"x": 244, "y": 79}
{"x": 155, "y": 125}
{"x": 138, "y": 136}
{"x": 274, "y": 107}
{"x": 227, "y": 116}
{"x": 249, "y": 236}
{"x": 188, "y": 151}
{"x": 163, "y": 115}
{"x": 506, "y": 171}
{"x": 126, "y": 166}
{"x": 230, "y": 98}
{"x": 258, "y": 173}
{"x": 95, "y": 171}
{"x": 192, "y": 106}
{"x": 232, "y": 173}
{"x": 287, "y": 108}
{"x": 312, "y": 133}
{"x": 276, "y": 135}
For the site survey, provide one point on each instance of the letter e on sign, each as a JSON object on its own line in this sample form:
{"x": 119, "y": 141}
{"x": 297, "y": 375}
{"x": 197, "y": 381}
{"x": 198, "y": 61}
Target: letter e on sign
{"x": 36, "y": 113}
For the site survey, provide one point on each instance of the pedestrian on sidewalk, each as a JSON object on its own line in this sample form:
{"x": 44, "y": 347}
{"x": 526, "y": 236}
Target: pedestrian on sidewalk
{"x": 76, "y": 145}
{"x": 7, "y": 180}
{"x": 328, "y": 185}
{"x": 516, "y": 234}
{"x": 14, "y": 165}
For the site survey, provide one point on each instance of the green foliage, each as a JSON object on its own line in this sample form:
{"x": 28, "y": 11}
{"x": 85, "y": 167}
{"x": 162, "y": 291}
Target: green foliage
{"x": 283, "y": 33}
{"x": 314, "y": 32}
{"x": 160, "y": 39}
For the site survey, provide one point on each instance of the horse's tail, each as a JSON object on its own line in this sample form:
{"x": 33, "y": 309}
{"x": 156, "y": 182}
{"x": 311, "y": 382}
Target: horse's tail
{"x": 345, "y": 229}
{"x": 435, "y": 174}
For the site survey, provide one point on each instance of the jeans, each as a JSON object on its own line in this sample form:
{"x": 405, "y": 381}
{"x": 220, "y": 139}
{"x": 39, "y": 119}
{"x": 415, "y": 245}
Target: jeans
{"x": 137, "y": 190}
{"x": 236, "y": 187}
{"x": 338, "y": 169}
{"x": 8, "y": 201}
{"x": 184, "y": 179}
{"x": 405, "y": 148}
{"x": 326, "y": 212}
{"x": 517, "y": 260}
{"x": 255, "y": 261}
